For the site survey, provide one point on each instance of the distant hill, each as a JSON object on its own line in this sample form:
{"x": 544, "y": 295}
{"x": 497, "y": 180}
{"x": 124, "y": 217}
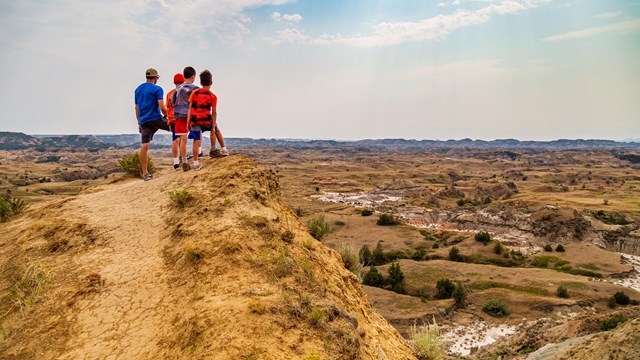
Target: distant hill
{"x": 18, "y": 141}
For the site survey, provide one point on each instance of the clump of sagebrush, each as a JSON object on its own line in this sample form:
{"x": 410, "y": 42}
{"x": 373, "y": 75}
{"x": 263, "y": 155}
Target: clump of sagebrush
{"x": 562, "y": 292}
{"x": 426, "y": 342}
{"x": 10, "y": 207}
{"x": 180, "y": 197}
{"x": 131, "y": 165}
{"x": 496, "y": 307}
{"x": 454, "y": 255}
{"x": 387, "y": 220}
{"x": 560, "y": 248}
{"x": 621, "y": 298}
{"x": 319, "y": 227}
{"x": 612, "y": 321}
{"x": 351, "y": 259}
{"x": 548, "y": 248}
{"x": 366, "y": 212}
{"x": 497, "y": 248}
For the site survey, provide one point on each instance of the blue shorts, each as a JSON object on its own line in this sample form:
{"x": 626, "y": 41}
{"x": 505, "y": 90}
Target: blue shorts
{"x": 195, "y": 135}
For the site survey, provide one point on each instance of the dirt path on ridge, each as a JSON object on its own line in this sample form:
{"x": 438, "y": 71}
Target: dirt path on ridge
{"x": 126, "y": 319}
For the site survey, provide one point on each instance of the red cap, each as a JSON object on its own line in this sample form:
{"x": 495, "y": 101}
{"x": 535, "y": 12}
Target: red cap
{"x": 178, "y": 79}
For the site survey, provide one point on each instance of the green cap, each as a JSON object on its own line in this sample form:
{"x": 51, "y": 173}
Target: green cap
{"x": 151, "y": 73}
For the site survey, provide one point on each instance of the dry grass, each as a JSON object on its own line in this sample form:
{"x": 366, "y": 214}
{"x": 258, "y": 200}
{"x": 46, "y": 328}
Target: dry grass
{"x": 426, "y": 341}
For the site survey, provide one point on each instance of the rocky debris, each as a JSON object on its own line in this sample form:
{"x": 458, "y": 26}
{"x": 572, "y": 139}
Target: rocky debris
{"x": 467, "y": 339}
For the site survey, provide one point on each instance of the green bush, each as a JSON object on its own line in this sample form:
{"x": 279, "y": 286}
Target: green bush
{"x": 373, "y": 278}
{"x": 10, "y": 207}
{"x": 365, "y": 255}
{"x": 548, "y": 248}
{"x": 483, "y": 237}
{"x": 319, "y": 227}
{"x": 612, "y": 322}
{"x": 621, "y": 298}
{"x": 180, "y": 197}
{"x": 378, "y": 256}
{"x": 366, "y": 212}
{"x": 560, "y": 248}
{"x": 495, "y": 307}
{"x": 426, "y": 342}
{"x": 351, "y": 259}
{"x": 460, "y": 295}
{"x": 131, "y": 165}
{"x": 387, "y": 220}
{"x": 611, "y": 302}
{"x": 444, "y": 289}
{"x": 497, "y": 248}
{"x": 420, "y": 254}
{"x": 396, "y": 279}
{"x": 562, "y": 292}
{"x": 454, "y": 255}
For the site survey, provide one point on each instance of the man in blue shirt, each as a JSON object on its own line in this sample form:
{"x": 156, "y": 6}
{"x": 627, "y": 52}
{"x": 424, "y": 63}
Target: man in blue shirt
{"x": 151, "y": 114}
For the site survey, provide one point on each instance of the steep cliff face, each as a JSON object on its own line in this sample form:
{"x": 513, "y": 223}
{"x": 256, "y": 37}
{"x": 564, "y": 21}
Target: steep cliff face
{"x": 125, "y": 272}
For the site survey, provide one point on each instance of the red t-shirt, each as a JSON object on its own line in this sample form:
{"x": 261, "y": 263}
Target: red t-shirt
{"x": 202, "y": 101}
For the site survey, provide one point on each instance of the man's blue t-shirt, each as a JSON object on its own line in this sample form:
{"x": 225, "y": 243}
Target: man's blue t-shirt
{"x": 147, "y": 96}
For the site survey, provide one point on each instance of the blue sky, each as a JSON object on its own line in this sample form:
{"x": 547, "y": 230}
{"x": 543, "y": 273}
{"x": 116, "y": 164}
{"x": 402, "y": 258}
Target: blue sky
{"x": 351, "y": 69}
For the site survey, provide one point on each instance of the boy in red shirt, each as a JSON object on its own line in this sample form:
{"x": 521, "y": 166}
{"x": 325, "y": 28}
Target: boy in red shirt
{"x": 202, "y": 114}
{"x": 178, "y": 128}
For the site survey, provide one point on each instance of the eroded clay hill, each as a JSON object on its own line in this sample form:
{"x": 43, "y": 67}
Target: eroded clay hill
{"x": 125, "y": 273}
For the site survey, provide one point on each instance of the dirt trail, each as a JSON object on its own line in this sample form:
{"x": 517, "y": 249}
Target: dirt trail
{"x": 127, "y": 317}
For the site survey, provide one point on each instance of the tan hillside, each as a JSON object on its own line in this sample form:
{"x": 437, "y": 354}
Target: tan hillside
{"x": 125, "y": 273}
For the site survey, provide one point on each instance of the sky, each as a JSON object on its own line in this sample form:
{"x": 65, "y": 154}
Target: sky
{"x": 331, "y": 69}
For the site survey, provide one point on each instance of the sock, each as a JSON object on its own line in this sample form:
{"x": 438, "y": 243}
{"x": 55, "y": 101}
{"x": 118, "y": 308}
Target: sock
{"x": 184, "y": 159}
{"x": 195, "y": 163}
{"x": 223, "y": 148}
{"x": 176, "y": 161}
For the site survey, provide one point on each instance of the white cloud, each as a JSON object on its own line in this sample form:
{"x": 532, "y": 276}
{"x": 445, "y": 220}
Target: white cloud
{"x": 388, "y": 33}
{"x": 289, "y": 35}
{"x": 625, "y": 26}
{"x": 291, "y": 18}
{"x": 608, "y": 15}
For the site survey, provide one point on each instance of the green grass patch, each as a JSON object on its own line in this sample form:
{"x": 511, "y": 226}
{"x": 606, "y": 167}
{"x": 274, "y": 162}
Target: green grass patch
{"x": 531, "y": 290}
{"x": 545, "y": 261}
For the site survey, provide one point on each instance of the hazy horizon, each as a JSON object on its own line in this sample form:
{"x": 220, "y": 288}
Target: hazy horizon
{"x": 355, "y": 69}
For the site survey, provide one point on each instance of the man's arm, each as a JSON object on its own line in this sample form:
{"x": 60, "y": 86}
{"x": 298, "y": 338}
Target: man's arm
{"x": 163, "y": 108}
{"x": 138, "y": 118}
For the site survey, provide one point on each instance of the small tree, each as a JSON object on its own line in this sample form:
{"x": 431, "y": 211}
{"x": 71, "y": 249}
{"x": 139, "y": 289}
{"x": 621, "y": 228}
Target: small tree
{"x": 366, "y": 212}
{"x": 365, "y": 255}
{"x": 497, "y": 248}
{"x": 444, "y": 289}
{"x": 621, "y": 298}
{"x": 419, "y": 255}
{"x": 560, "y": 248}
{"x": 495, "y": 307}
{"x": 387, "y": 220}
{"x": 373, "y": 278}
{"x": 396, "y": 278}
{"x": 548, "y": 248}
{"x": 562, "y": 292}
{"x": 460, "y": 295}
{"x": 483, "y": 237}
{"x": 378, "y": 257}
{"x": 454, "y": 255}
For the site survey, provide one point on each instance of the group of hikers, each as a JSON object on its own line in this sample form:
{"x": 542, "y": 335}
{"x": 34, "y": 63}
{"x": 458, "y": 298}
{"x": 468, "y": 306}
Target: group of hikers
{"x": 187, "y": 112}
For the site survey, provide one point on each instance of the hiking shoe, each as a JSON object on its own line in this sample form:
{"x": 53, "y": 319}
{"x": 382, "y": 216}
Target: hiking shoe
{"x": 189, "y": 156}
{"x": 197, "y": 167}
{"x": 224, "y": 152}
{"x": 147, "y": 177}
{"x": 215, "y": 153}
{"x": 176, "y": 166}
{"x": 185, "y": 166}
{"x": 201, "y": 154}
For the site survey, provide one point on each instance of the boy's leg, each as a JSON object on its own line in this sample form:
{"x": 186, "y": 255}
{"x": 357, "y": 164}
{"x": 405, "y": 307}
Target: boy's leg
{"x": 219, "y": 137}
{"x": 144, "y": 158}
{"x": 183, "y": 147}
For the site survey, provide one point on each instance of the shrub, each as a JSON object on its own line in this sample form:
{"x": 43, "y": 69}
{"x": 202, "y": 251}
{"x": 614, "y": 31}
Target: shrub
{"x": 373, "y": 278}
{"x": 396, "y": 279}
{"x": 299, "y": 212}
{"x": 548, "y": 248}
{"x": 483, "y": 237}
{"x": 562, "y": 292}
{"x": 460, "y": 295}
{"x": 426, "y": 341}
{"x": 10, "y": 207}
{"x": 612, "y": 322}
{"x": 319, "y": 227}
{"x": 366, "y": 212}
{"x": 180, "y": 197}
{"x": 387, "y": 220}
{"x": 611, "y": 303}
{"x": 317, "y": 316}
{"x": 365, "y": 255}
{"x": 351, "y": 259}
{"x": 454, "y": 255}
{"x": 444, "y": 289}
{"x": 131, "y": 165}
{"x": 495, "y": 307}
{"x": 378, "y": 257}
{"x": 560, "y": 248}
{"x": 420, "y": 254}
{"x": 621, "y": 298}
{"x": 436, "y": 246}
{"x": 497, "y": 248}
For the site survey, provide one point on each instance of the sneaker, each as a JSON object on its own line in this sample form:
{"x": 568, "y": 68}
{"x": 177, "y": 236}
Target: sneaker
{"x": 189, "y": 156}
{"x": 224, "y": 152}
{"x": 215, "y": 153}
{"x": 198, "y": 167}
{"x": 185, "y": 166}
{"x": 201, "y": 154}
{"x": 176, "y": 166}
{"x": 147, "y": 177}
